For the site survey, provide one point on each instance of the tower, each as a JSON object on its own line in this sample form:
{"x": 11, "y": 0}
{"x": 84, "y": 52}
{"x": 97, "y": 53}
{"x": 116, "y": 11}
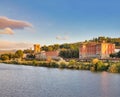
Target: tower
{"x": 36, "y": 48}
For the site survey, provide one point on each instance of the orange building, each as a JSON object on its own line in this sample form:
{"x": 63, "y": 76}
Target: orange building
{"x": 96, "y": 50}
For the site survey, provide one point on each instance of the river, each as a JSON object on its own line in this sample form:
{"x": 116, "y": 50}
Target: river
{"x": 29, "y": 81}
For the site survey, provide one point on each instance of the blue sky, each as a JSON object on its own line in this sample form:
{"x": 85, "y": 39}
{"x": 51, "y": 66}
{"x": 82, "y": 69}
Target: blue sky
{"x": 68, "y": 20}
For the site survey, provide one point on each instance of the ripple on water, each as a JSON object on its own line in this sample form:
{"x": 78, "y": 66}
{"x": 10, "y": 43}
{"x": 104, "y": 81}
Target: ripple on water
{"x": 29, "y": 81}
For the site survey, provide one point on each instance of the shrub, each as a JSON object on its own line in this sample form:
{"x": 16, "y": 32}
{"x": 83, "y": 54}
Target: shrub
{"x": 72, "y": 62}
{"x": 4, "y": 57}
{"x": 62, "y": 65}
{"x": 115, "y": 68}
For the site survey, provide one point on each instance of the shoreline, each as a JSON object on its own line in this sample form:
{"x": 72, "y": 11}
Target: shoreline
{"x": 99, "y": 67}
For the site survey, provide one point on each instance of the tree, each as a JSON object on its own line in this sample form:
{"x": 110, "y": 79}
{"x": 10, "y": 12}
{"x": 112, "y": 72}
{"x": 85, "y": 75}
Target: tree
{"x": 4, "y": 57}
{"x": 113, "y": 55}
{"x": 19, "y": 54}
{"x": 118, "y": 54}
{"x": 45, "y": 48}
{"x": 28, "y": 51}
{"x": 55, "y": 46}
{"x": 11, "y": 56}
{"x": 50, "y": 48}
{"x": 70, "y": 53}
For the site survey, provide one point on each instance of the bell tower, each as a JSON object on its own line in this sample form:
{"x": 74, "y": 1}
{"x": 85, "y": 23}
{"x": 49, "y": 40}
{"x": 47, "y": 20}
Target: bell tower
{"x": 36, "y": 48}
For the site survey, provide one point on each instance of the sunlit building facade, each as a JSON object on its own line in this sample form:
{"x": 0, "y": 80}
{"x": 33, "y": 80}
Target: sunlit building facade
{"x": 96, "y": 50}
{"x": 36, "y": 48}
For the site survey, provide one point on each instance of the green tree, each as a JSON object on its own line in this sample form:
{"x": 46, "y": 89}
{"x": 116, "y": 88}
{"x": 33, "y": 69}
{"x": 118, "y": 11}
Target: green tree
{"x": 55, "y": 46}
{"x": 50, "y": 48}
{"x": 118, "y": 54}
{"x": 19, "y": 54}
{"x": 28, "y": 51}
{"x": 4, "y": 57}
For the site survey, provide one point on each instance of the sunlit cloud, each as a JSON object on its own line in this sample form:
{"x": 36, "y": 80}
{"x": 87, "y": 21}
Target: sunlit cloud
{"x": 7, "y": 31}
{"x": 5, "y": 44}
{"x": 13, "y": 24}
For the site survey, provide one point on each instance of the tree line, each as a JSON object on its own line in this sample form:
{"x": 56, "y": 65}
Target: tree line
{"x": 116, "y": 41}
{"x": 17, "y": 54}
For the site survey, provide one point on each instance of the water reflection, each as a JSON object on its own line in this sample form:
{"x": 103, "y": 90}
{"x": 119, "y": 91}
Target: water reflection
{"x": 104, "y": 84}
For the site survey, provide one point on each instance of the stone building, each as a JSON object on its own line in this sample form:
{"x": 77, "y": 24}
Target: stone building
{"x": 96, "y": 50}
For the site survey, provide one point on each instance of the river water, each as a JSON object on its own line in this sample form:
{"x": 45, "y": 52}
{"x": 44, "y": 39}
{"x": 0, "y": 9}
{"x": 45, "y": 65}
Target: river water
{"x": 28, "y": 81}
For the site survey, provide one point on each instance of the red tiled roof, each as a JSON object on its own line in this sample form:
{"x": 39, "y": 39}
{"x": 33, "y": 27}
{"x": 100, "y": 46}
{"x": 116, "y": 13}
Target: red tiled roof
{"x": 52, "y": 53}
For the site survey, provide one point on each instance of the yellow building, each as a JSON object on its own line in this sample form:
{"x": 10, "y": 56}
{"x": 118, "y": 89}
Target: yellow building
{"x": 36, "y": 48}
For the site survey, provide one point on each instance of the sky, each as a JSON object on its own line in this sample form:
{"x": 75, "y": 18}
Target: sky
{"x": 26, "y": 22}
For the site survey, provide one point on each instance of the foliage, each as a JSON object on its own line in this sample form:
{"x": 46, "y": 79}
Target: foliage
{"x": 4, "y": 57}
{"x": 28, "y": 51}
{"x": 116, "y": 41}
{"x": 69, "y": 53}
{"x": 72, "y": 62}
{"x": 98, "y": 65}
{"x": 50, "y": 47}
{"x": 95, "y": 61}
{"x": 113, "y": 55}
{"x": 114, "y": 68}
{"x": 117, "y": 55}
{"x": 19, "y": 54}
{"x": 31, "y": 56}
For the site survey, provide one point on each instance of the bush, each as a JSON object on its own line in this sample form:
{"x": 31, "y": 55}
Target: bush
{"x": 62, "y": 65}
{"x": 101, "y": 66}
{"x": 4, "y": 57}
{"x": 72, "y": 62}
{"x": 98, "y": 65}
{"x": 115, "y": 68}
{"x": 54, "y": 64}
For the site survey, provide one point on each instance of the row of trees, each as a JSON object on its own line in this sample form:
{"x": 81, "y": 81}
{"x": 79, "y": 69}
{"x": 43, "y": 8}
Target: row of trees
{"x": 18, "y": 54}
{"x": 116, "y": 41}
{"x": 69, "y": 53}
{"x": 59, "y": 47}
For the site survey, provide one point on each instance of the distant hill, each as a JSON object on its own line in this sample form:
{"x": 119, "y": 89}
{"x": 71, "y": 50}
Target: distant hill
{"x": 7, "y": 51}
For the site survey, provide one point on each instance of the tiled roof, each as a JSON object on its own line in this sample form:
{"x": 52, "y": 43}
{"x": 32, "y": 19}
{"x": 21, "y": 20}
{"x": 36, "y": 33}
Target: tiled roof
{"x": 52, "y": 53}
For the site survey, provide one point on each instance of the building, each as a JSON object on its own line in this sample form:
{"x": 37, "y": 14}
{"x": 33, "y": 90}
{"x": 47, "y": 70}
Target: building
{"x": 44, "y": 55}
{"x": 96, "y": 50}
{"x": 52, "y": 54}
{"x": 36, "y": 48}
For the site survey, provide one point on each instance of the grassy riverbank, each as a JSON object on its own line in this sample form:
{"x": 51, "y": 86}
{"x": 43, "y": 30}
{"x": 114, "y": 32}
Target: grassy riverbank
{"x": 95, "y": 65}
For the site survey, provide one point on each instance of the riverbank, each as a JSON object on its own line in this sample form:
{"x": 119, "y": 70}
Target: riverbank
{"x": 95, "y": 65}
